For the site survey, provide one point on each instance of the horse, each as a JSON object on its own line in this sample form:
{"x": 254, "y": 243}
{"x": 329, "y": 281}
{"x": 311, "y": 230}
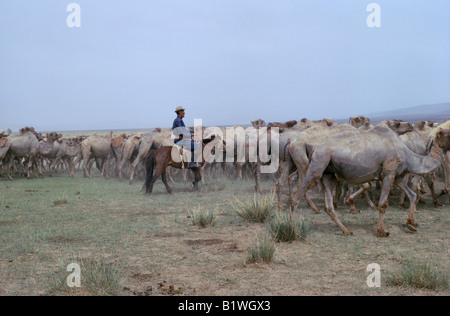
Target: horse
{"x": 158, "y": 160}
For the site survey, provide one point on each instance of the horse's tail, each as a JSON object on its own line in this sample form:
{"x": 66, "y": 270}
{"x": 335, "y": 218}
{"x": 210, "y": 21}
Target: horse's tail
{"x": 150, "y": 163}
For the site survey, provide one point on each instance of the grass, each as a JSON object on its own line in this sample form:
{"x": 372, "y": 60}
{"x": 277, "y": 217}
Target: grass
{"x": 420, "y": 275}
{"x": 283, "y": 228}
{"x": 204, "y": 218}
{"x": 257, "y": 209}
{"x": 61, "y": 201}
{"x": 158, "y": 244}
{"x": 262, "y": 251}
{"x": 97, "y": 278}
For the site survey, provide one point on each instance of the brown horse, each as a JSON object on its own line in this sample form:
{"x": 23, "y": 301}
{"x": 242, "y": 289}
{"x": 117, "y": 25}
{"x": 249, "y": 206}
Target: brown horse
{"x": 158, "y": 160}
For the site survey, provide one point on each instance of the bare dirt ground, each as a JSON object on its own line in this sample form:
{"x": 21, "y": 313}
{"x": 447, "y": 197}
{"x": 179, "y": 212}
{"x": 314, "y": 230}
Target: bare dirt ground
{"x": 47, "y": 223}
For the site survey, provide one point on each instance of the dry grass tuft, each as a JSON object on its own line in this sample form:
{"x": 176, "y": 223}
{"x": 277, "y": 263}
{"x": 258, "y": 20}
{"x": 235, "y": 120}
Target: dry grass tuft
{"x": 257, "y": 209}
{"x": 283, "y": 228}
{"x": 420, "y": 275}
{"x": 97, "y": 278}
{"x": 261, "y": 251}
{"x": 204, "y": 218}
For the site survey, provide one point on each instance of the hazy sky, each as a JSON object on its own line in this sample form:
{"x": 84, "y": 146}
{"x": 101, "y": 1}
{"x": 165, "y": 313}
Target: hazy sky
{"x": 227, "y": 61}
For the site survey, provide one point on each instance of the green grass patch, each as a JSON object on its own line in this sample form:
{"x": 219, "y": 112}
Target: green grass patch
{"x": 283, "y": 228}
{"x": 262, "y": 251}
{"x": 256, "y": 209}
{"x": 204, "y": 218}
{"x": 98, "y": 278}
{"x": 420, "y": 275}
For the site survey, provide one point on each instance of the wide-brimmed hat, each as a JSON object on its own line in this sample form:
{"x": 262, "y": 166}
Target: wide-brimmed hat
{"x": 180, "y": 108}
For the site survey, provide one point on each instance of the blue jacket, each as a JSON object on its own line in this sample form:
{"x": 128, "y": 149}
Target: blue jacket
{"x": 177, "y": 123}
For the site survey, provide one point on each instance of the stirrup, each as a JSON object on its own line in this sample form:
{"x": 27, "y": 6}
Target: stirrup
{"x": 194, "y": 165}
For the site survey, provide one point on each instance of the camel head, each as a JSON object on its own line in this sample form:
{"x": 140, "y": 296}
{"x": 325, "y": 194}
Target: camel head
{"x": 442, "y": 138}
{"x": 258, "y": 123}
{"x": 423, "y": 125}
{"x": 290, "y": 124}
{"x": 358, "y": 121}
{"x": 329, "y": 122}
{"x": 51, "y": 137}
{"x": 400, "y": 127}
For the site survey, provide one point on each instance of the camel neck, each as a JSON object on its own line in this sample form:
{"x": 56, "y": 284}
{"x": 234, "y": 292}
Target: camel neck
{"x": 422, "y": 165}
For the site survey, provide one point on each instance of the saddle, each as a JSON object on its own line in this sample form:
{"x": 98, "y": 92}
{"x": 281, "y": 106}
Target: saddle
{"x": 180, "y": 155}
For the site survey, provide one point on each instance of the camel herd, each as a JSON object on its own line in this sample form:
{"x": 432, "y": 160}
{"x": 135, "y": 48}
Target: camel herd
{"x": 354, "y": 158}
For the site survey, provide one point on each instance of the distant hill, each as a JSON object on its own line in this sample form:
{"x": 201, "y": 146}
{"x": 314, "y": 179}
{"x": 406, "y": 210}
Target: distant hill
{"x": 433, "y": 112}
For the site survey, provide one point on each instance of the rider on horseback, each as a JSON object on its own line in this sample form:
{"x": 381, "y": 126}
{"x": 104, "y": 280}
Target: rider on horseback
{"x": 183, "y": 136}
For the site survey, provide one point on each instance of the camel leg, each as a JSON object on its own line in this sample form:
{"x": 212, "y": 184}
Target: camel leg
{"x": 446, "y": 167}
{"x": 312, "y": 179}
{"x": 30, "y": 166}
{"x": 256, "y": 171}
{"x": 327, "y": 183}
{"x": 86, "y": 160}
{"x": 430, "y": 183}
{"x": 351, "y": 198}
{"x": 105, "y": 169}
{"x": 282, "y": 180}
{"x": 383, "y": 203}
{"x": 338, "y": 193}
{"x": 412, "y": 196}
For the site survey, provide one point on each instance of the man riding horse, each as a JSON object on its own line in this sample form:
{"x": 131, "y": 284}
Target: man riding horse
{"x": 183, "y": 136}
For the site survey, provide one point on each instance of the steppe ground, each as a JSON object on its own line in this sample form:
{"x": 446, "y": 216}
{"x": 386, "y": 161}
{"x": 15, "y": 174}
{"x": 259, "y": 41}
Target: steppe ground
{"x": 48, "y": 223}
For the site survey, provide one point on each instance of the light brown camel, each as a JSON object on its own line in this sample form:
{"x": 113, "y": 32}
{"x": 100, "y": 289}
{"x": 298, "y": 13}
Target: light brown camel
{"x": 98, "y": 148}
{"x": 361, "y": 157}
{"x": 25, "y": 145}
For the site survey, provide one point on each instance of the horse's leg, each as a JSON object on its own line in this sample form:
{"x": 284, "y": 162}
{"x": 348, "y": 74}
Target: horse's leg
{"x": 159, "y": 170}
{"x": 164, "y": 179}
{"x": 198, "y": 177}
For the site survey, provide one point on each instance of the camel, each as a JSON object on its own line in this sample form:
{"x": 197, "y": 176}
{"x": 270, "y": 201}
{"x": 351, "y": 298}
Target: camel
{"x": 5, "y": 134}
{"x": 243, "y": 146}
{"x": 130, "y": 149}
{"x": 4, "y": 148}
{"x": 25, "y": 145}
{"x": 297, "y": 159}
{"x": 305, "y": 123}
{"x": 419, "y": 141}
{"x": 360, "y": 122}
{"x": 442, "y": 133}
{"x": 153, "y": 140}
{"x": 98, "y": 148}
{"x": 62, "y": 150}
{"x": 400, "y": 127}
{"x": 361, "y": 157}
{"x": 288, "y": 124}
{"x": 117, "y": 144}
